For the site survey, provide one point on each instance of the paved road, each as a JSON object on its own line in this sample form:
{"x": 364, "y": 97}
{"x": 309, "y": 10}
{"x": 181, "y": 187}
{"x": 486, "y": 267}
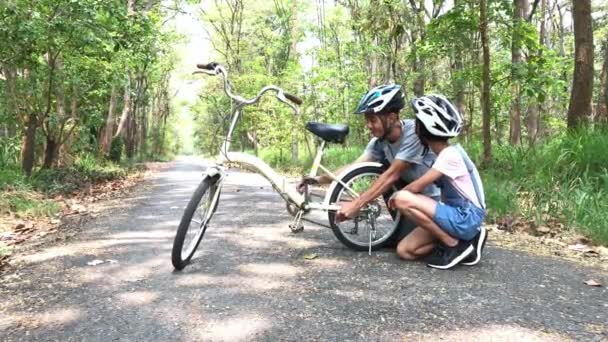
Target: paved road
{"x": 250, "y": 281}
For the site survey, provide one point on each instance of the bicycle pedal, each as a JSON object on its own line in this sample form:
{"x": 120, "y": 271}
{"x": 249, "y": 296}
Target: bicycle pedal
{"x": 297, "y": 229}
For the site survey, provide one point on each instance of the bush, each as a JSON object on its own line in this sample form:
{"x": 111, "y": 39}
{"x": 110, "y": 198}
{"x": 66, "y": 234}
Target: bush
{"x": 116, "y": 149}
{"x": 566, "y": 178}
{"x": 10, "y": 149}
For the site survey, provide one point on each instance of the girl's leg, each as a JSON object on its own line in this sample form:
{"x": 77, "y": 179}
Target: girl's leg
{"x": 416, "y": 244}
{"x": 421, "y": 209}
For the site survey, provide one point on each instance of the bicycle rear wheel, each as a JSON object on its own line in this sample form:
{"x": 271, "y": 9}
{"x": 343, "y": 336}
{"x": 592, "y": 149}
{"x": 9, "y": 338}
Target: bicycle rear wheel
{"x": 195, "y": 220}
{"x": 355, "y": 233}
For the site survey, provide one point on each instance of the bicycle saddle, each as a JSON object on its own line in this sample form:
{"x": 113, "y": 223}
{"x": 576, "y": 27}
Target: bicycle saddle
{"x": 330, "y": 133}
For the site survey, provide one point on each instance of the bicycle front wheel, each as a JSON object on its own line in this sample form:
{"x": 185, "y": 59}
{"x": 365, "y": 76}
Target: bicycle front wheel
{"x": 355, "y": 233}
{"x": 195, "y": 220}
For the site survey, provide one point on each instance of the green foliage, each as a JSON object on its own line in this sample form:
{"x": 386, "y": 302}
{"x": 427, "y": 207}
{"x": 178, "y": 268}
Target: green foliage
{"x": 27, "y": 204}
{"x": 60, "y": 61}
{"x": 567, "y": 179}
{"x": 116, "y": 149}
{"x": 10, "y": 148}
{"x": 17, "y": 195}
{"x": 5, "y": 251}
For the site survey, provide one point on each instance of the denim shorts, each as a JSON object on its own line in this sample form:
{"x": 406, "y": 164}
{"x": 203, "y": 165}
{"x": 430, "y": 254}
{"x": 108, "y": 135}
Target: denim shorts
{"x": 460, "y": 222}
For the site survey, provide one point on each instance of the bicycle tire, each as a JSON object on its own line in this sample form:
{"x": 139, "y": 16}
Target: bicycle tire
{"x": 178, "y": 258}
{"x": 340, "y": 235}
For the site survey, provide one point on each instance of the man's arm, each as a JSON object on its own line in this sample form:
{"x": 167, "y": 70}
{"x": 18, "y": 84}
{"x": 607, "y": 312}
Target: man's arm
{"x": 383, "y": 183}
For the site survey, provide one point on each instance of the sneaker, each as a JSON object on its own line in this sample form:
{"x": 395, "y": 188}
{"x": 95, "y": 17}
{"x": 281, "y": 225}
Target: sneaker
{"x": 478, "y": 243}
{"x": 444, "y": 257}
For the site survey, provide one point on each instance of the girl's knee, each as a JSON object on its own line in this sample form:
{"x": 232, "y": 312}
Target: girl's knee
{"x": 405, "y": 255}
{"x": 404, "y": 252}
{"x": 404, "y": 200}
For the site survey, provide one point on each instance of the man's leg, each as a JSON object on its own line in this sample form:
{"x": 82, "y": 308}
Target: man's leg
{"x": 416, "y": 244}
{"x": 405, "y": 225}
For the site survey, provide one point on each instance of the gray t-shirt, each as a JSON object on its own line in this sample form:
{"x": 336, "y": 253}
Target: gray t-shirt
{"x": 408, "y": 149}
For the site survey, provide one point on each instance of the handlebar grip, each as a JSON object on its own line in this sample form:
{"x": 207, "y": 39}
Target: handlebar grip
{"x": 210, "y": 66}
{"x": 293, "y": 98}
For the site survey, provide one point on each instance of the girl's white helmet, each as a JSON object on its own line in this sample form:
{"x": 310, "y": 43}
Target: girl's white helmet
{"x": 438, "y": 115}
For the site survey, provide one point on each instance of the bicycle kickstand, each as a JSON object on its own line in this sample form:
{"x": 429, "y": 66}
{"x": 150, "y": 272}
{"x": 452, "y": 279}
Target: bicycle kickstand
{"x": 297, "y": 225}
{"x": 372, "y": 231}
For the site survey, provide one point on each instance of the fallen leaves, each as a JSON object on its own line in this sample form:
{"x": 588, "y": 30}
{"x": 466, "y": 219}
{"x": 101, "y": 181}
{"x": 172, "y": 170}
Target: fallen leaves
{"x": 310, "y": 256}
{"x": 557, "y": 242}
{"x": 99, "y": 262}
{"x": 73, "y": 209}
{"x": 95, "y": 262}
{"x": 592, "y": 282}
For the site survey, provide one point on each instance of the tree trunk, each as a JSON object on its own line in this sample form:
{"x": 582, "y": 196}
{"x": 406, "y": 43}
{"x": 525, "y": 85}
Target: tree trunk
{"x": 295, "y": 148}
{"x": 519, "y": 13}
{"x": 373, "y": 67}
{"x": 485, "y": 94}
{"x": 130, "y": 134}
{"x": 126, "y": 109}
{"x": 582, "y": 84}
{"x": 106, "y": 135}
{"x": 533, "y": 117}
{"x": 28, "y": 145}
{"x": 458, "y": 82}
{"x": 420, "y": 83}
{"x": 602, "y": 106}
{"x": 50, "y": 151}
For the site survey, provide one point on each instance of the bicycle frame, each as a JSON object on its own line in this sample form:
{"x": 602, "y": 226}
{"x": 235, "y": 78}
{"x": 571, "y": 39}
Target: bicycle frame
{"x": 278, "y": 182}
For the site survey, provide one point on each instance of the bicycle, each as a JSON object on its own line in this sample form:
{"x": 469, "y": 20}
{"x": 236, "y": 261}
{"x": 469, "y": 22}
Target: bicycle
{"x": 379, "y": 224}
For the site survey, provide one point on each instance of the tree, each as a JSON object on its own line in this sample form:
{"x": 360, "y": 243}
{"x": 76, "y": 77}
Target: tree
{"x": 602, "y": 106}
{"x": 520, "y": 11}
{"x": 486, "y": 85}
{"x": 579, "y": 109}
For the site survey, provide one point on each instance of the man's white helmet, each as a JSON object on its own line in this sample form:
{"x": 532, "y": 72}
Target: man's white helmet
{"x": 438, "y": 115}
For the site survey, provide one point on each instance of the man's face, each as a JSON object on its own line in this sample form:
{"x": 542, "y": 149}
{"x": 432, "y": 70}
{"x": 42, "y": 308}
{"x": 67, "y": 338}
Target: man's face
{"x": 374, "y": 123}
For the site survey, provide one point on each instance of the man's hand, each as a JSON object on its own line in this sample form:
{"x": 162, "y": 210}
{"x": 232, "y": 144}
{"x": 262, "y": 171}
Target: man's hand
{"x": 391, "y": 201}
{"x": 347, "y": 211}
{"x": 306, "y": 181}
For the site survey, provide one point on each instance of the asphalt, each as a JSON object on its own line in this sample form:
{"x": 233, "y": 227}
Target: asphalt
{"x": 252, "y": 279}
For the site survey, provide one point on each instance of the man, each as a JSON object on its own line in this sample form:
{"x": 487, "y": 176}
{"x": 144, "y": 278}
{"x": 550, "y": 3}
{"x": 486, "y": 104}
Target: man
{"x": 395, "y": 144}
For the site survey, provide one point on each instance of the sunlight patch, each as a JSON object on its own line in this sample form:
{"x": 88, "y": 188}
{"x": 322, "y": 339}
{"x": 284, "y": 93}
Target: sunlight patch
{"x": 138, "y": 298}
{"x": 240, "y": 328}
{"x": 273, "y": 269}
{"x": 496, "y": 333}
{"x": 235, "y": 281}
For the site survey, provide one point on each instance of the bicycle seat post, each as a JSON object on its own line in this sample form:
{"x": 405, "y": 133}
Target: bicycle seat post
{"x": 317, "y": 161}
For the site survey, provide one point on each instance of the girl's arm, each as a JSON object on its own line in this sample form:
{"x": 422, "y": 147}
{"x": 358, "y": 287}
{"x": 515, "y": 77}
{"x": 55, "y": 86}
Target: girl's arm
{"x": 426, "y": 179}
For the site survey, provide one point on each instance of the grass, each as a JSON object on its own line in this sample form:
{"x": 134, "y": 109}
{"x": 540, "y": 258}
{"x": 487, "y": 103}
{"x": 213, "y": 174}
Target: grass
{"x": 564, "y": 179}
{"x": 27, "y": 204}
{"x": 30, "y": 197}
{"x": 4, "y": 251}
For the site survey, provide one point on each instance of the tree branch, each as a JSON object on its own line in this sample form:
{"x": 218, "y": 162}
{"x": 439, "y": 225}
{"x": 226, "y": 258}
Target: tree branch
{"x": 533, "y": 9}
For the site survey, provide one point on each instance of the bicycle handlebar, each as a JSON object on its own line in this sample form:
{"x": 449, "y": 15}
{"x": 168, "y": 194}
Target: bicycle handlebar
{"x": 293, "y": 98}
{"x": 217, "y": 69}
